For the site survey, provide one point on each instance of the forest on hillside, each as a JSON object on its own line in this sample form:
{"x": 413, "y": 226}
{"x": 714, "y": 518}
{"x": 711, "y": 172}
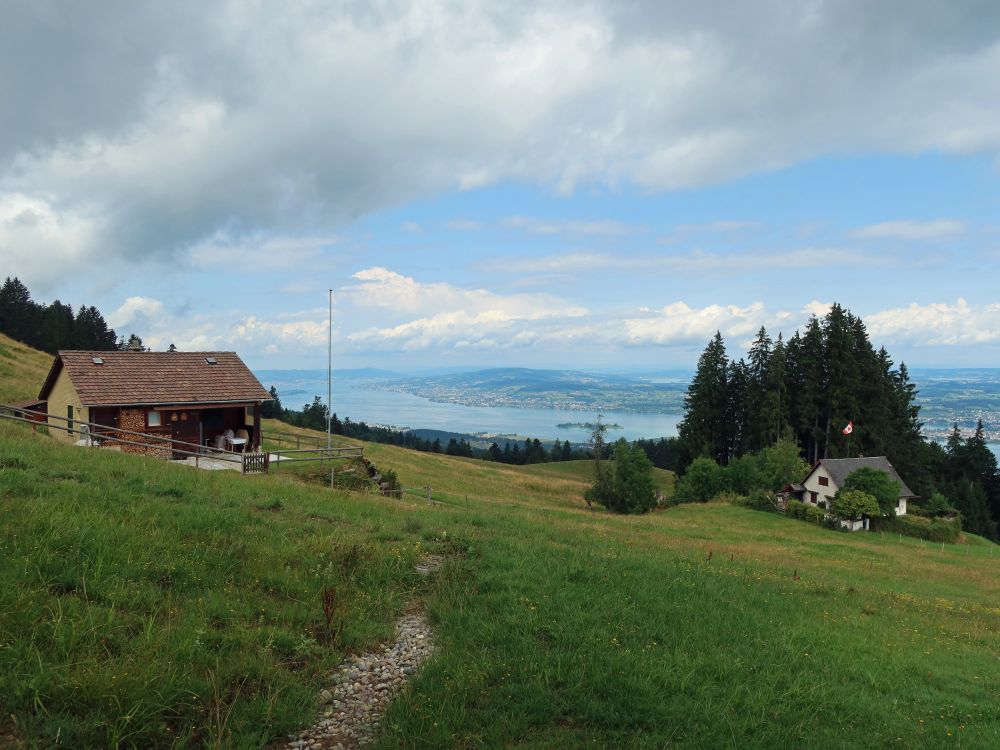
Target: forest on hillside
{"x": 54, "y": 326}
{"x": 809, "y": 389}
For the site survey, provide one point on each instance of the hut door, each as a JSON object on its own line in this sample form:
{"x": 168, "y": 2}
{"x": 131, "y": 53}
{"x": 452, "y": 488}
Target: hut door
{"x": 184, "y": 427}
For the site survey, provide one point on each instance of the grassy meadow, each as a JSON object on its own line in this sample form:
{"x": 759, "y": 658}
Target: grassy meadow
{"x": 149, "y": 605}
{"x": 22, "y": 370}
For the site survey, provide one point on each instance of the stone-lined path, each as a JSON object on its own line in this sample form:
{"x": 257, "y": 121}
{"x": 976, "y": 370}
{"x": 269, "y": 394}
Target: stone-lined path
{"x": 360, "y": 689}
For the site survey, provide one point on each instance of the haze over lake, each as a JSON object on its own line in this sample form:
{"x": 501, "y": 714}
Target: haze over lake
{"x": 946, "y": 396}
{"x": 352, "y": 398}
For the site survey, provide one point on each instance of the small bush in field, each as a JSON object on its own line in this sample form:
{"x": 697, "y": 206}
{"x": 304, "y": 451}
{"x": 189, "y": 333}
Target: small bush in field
{"x": 628, "y": 487}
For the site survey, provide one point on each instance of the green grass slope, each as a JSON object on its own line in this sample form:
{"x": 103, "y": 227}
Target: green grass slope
{"x": 144, "y": 604}
{"x": 22, "y": 370}
{"x": 148, "y": 605}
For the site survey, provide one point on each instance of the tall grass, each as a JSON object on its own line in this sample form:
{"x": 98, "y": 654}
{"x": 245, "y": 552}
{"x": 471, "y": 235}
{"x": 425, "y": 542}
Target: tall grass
{"x": 148, "y": 605}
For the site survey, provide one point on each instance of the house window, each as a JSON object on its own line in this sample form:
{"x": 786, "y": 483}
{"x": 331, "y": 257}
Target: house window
{"x": 824, "y": 482}
{"x": 153, "y": 418}
{"x": 814, "y": 497}
{"x": 69, "y": 419}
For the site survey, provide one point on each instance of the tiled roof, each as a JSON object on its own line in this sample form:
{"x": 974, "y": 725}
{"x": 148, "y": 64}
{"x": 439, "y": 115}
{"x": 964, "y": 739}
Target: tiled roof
{"x": 127, "y": 377}
{"x": 840, "y": 468}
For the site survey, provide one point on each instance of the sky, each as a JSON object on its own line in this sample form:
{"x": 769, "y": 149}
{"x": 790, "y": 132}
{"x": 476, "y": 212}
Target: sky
{"x": 590, "y": 185}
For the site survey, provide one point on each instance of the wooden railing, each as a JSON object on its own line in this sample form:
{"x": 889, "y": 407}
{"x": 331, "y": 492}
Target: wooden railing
{"x": 255, "y": 463}
{"x": 102, "y": 435}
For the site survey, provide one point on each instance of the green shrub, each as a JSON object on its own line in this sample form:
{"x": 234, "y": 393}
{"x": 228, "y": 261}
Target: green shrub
{"x": 628, "y": 487}
{"x": 878, "y": 484}
{"x": 854, "y": 504}
{"x": 728, "y": 496}
{"x": 390, "y": 482}
{"x": 703, "y": 480}
{"x": 932, "y": 529}
{"x": 937, "y": 505}
{"x": 805, "y": 511}
{"x": 761, "y": 500}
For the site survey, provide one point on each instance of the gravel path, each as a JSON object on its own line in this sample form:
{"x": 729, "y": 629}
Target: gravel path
{"x": 360, "y": 689}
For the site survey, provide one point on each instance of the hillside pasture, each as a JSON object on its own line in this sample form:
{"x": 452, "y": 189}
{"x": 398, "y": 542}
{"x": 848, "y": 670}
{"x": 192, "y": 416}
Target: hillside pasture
{"x": 144, "y": 604}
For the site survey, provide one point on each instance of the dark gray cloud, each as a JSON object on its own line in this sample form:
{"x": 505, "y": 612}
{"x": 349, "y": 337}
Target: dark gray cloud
{"x": 140, "y": 129}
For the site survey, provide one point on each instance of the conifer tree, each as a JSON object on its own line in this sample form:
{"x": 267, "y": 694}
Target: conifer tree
{"x": 810, "y": 385}
{"x": 703, "y": 430}
{"x": 759, "y": 357}
{"x": 775, "y": 406}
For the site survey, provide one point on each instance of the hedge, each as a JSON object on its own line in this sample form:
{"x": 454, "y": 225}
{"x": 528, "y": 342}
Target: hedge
{"x": 932, "y": 529}
{"x": 805, "y": 511}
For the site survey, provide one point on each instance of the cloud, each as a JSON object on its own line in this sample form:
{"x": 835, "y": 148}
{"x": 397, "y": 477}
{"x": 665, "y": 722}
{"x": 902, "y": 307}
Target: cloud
{"x": 717, "y": 227}
{"x": 604, "y": 228}
{"x": 680, "y": 324}
{"x": 257, "y": 252}
{"x": 216, "y": 116}
{"x": 911, "y": 230}
{"x": 280, "y": 335}
{"x": 39, "y": 242}
{"x": 449, "y": 316}
{"x": 683, "y": 232}
{"x": 412, "y": 227}
{"x": 142, "y": 309}
{"x": 696, "y": 262}
{"x": 464, "y": 225}
{"x": 938, "y": 324}
{"x": 382, "y": 288}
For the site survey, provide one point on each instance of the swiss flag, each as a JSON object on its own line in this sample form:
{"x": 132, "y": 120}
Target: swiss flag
{"x": 849, "y": 429}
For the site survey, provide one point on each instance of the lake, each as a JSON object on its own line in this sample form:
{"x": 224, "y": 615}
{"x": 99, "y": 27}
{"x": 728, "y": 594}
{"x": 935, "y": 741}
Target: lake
{"x": 403, "y": 410}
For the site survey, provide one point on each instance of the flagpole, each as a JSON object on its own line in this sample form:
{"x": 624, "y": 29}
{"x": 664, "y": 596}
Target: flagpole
{"x": 329, "y": 388}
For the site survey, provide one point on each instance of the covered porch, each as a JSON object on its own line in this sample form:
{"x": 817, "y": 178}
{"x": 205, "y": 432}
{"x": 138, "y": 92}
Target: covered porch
{"x": 219, "y": 426}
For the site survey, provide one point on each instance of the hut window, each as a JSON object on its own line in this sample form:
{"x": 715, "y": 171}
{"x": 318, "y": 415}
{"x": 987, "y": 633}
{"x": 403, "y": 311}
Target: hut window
{"x": 211, "y": 360}
{"x": 97, "y": 360}
{"x": 824, "y": 481}
{"x": 153, "y": 418}
{"x": 248, "y": 415}
{"x": 69, "y": 419}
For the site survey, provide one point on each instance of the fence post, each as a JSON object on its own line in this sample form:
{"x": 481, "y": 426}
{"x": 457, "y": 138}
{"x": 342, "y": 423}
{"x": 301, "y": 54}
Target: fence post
{"x": 297, "y": 441}
{"x": 430, "y": 495}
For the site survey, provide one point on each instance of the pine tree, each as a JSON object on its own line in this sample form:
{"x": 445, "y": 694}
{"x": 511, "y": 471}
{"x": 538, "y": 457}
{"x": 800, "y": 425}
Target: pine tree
{"x": 19, "y": 315}
{"x": 811, "y": 387}
{"x": 703, "y": 430}
{"x": 842, "y": 384}
{"x": 556, "y": 453}
{"x": 775, "y": 406}
{"x": 567, "y": 451}
{"x": 738, "y": 416}
{"x": 56, "y": 327}
{"x": 756, "y": 428}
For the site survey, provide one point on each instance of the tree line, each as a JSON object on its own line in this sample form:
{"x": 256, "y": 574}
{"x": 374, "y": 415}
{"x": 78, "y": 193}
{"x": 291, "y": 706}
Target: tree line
{"x": 808, "y": 389}
{"x": 54, "y": 326}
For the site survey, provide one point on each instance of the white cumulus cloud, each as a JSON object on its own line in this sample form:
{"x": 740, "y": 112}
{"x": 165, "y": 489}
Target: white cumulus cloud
{"x": 146, "y": 309}
{"x": 911, "y": 230}
{"x": 938, "y": 324}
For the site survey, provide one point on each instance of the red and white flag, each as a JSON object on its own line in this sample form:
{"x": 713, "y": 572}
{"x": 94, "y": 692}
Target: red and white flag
{"x": 849, "y": 429}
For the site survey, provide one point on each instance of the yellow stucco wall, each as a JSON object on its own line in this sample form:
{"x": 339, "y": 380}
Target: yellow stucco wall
{"x": 63, "y": 394}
